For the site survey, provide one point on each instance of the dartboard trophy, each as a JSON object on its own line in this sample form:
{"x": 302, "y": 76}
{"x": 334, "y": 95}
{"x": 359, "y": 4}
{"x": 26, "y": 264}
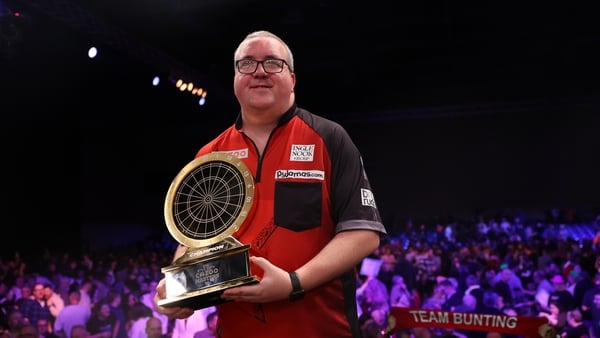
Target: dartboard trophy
{"x": 206, "y": 203}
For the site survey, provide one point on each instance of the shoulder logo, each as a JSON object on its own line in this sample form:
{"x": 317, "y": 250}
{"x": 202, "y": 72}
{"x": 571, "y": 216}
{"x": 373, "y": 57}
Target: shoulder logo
{"x": 367, "y": 198}
{"x": 302, "y": 152}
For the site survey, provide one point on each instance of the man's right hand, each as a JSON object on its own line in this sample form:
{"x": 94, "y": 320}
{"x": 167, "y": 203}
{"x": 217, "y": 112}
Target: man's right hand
{"x": 171, "y": 312}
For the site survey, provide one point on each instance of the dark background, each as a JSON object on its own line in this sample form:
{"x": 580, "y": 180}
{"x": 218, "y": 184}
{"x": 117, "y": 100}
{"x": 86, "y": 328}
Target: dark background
{"x": 458, "y": 108}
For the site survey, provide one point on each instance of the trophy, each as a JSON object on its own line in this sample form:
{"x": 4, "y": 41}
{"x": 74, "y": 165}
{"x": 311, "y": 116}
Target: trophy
{"x": 206, "y": 203}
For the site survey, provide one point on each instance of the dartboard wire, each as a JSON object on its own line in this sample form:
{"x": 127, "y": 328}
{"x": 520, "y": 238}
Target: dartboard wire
{"x": 237, "y": 182}
{"x": 188, "y": 212}
{"x": 216, "y": 166}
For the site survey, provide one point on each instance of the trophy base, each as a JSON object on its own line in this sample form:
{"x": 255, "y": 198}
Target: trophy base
{"x": 200, "y": 276}
{"x": 205, "y": 298}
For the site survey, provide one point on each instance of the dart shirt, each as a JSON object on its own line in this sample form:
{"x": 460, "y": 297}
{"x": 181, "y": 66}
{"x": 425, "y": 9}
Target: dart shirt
{"x": 309, "y": 185}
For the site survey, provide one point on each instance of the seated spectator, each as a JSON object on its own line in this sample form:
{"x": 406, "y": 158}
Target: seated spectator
{"x": 28, "y": 331}
{"x": 575, "y": 327}
{"x": 79, "y": 331}
{"x": 154, "y": 328}
{"x": 556, "y": 317}
{"x": 14, "y": 322}
{"x": 400, "y": 296}
{"x": 211, "y": 326}
{"x": 74, "y": 313}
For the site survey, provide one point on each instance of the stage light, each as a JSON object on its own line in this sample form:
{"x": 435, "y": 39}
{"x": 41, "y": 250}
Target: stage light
{"x": 92, "y": 52}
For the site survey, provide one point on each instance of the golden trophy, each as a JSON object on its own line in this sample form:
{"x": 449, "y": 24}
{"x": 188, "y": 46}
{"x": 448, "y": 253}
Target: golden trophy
{"x": 207, "y": 202}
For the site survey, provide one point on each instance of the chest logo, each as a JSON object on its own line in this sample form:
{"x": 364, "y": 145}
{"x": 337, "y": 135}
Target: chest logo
{"x": 239, "y": 153}
{"x": 302, "y": 152}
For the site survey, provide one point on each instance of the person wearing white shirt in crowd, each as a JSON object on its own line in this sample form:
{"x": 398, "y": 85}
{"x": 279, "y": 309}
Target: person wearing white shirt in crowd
{"x": 138, "y": 314}
{"x": 85, "y": 289}
{"x": 211, "y": 327}
{"x": 186, "y": 328}
{"x": 148, "y": 299}
{"x": 73, "y": 314}
{"x": 54, "y": 301}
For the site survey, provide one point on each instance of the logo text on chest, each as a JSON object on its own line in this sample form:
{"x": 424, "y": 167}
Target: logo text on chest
{"x": 302, "y": 152}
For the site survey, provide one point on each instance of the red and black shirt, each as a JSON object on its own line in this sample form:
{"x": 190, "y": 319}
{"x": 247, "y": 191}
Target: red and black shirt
{"x": 309, "y": 185}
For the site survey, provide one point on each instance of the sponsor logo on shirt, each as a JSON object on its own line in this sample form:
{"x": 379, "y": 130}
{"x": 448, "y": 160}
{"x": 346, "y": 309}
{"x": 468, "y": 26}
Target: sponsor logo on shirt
{"x": 367, "y": 198}
{"x": 302, "y": 152}
{"x": 305, "y": 174}
{"x": 239, "y": 153}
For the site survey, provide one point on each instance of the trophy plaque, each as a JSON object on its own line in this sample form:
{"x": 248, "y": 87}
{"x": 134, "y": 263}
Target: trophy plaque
{"x": 207, "y": 202}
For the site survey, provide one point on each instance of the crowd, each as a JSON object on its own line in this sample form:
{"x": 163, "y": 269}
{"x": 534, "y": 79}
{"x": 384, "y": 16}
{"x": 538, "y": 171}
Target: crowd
{"x": 509, "y": 266}
{"x": 496, "y": 266}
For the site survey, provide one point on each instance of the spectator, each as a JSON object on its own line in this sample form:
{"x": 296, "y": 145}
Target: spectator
{"x": 44, "y": 328}
{"x": 74, "y": 313}
{"x": 560, "y": 296}
{"x": 79, "y": 331}
{"x": 575, "y": 327}
{"x": 53, "y": 300}
{"x": 154, "y": 328}
{"x": 185, "y": 328}
{"x": 102, "y": 322}
{"x": 36, "y": 308}
{"x": 138, "y": 315}
{"x": 211, "y": 326}
{"x": 14, "y": 323}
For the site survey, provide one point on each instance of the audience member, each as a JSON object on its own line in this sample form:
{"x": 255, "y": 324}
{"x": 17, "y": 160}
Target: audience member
{"x": 28, "y": 331}
{"x": 44, "y": 328}
{"x": 400, "y": 296}
{"x": 36, "y": 308}
{"x": 54, "y": 301}
{"x": 575, "y": 327}
{"x": 560, "y": 296}
{"x": 102, "y": 323}
{"x": 79, "y": 331}
{"x": 186, "y": 327}
{"x": 154, "y": 328}
{"x": 14, "y": 322}
{"x": 74, "y": 313}
{"x": 211, "y": 326}
{"x": 114, "y": 301}
{"x": 138, "y": 315}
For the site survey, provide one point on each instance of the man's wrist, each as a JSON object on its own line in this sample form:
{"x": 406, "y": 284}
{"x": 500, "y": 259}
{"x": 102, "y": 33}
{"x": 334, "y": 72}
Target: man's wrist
{"x": 297, "y": 290}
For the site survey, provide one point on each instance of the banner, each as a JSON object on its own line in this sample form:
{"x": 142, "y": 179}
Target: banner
{"x": 531, "y": 327}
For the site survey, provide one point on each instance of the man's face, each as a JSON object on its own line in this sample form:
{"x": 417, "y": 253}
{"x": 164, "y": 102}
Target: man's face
{"x": 262, "y": 90}
{"x": 38, "y": 291}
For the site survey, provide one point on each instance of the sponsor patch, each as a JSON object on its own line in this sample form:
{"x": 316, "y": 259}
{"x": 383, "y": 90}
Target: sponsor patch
{"x": 239, "y": 153}
{"x": 305, "y": 174}
{"x": 367, "y": 198}
{"x": 302, "y": 152}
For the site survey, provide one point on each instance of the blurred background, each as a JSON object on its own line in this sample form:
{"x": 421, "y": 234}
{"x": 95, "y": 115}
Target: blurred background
{"x": 459, "y": 109}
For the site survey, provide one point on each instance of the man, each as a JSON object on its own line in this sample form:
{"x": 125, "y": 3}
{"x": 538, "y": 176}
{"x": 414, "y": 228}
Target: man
{"x": 154, "y": 328}
{"x": 36, "y": 308}
{"x": 315, "y": 218}
{"x": 211, "y": 327}
{"x": 74, "y": 313}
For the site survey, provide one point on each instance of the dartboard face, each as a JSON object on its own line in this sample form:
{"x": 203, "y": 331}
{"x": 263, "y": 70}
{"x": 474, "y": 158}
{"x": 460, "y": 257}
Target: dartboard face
{"x": 209, "y": 199}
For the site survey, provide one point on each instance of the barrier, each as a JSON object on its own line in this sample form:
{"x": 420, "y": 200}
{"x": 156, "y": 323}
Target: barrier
{"x": 526, "y": 326}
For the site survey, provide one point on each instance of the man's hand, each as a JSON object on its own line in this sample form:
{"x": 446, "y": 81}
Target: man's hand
{"x": 171, "y": 312}
{"x": 275, "y": 285}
